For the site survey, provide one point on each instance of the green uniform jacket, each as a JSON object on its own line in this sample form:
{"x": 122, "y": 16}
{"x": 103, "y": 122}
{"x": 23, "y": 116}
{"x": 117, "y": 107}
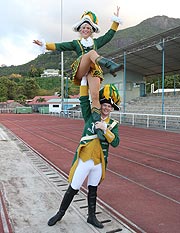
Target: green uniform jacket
{"x": 89, "y": 131}
{"x": 76, "y": 46}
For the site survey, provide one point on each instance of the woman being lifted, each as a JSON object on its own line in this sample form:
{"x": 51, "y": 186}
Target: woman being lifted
{"x": 89, "y": 62}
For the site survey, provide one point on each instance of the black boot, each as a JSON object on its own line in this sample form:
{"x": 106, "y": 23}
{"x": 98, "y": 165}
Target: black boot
{"x": 112, "y": 66}
{"x": 68, "y": 197}
{"x": 92, "y": 194}
{"x": 96, "y": 115}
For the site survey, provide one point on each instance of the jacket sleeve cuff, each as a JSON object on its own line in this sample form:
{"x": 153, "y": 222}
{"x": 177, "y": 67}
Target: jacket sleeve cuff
{"x": 114, "y": 26}
{"x": 109, "y": 136}
{"x": 50, "y": 46}
{"x": 84, "y": 90}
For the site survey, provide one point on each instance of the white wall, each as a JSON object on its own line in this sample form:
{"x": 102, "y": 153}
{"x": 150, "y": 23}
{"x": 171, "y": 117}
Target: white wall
{"x": 132, "y": 90}
{"x": 56, "y": 108}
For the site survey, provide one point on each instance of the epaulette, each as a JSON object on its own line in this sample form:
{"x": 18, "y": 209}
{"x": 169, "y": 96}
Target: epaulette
{"x": 113, "y": 124}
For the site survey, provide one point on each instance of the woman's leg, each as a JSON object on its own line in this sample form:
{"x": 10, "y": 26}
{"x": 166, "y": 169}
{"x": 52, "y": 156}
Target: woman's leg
{"x": 93, "y": 82}
{"x": 94, "y": 87}
{"x": 92, "y": 57}
{"x": 86, "y": 61}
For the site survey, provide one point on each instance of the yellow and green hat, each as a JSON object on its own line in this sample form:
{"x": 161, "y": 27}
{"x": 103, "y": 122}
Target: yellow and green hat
{"x": 110, "y": 94}
{"x": 90, "y": 18}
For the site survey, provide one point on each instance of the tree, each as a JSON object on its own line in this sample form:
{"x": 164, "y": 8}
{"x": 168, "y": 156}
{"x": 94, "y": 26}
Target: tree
{"x": 3, "y": 92}
{"x": 21, "y": 99}
{"x": 3, "y": 89}
{"x": 15, "y": 76}
{"x": 12, "y": 89}
{"x": 170, "y": 81}
{"x": 35, "y": 72}
{"x": 40, "y": 100}
{"x": 31, "y": 88}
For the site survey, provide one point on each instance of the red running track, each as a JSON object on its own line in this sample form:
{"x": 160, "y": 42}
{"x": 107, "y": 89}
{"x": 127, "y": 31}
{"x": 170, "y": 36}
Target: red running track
{"x": 142, "y": 184}
{"x": 5, "y": 225}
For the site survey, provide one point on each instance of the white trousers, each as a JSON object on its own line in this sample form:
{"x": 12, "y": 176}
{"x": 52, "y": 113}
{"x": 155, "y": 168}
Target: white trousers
{"x": 86, "y": 169}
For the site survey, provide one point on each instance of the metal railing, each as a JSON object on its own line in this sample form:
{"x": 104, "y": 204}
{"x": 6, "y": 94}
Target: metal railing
{"x": 166, "y": 122}
{"x": 7, "y": 110}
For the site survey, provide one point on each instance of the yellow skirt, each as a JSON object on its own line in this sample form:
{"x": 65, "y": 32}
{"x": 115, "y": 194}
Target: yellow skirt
{"x": 95, "y": 71}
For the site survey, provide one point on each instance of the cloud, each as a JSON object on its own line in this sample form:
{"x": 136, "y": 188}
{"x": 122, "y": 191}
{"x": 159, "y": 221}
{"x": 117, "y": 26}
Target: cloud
{"x": 22, "y": 21}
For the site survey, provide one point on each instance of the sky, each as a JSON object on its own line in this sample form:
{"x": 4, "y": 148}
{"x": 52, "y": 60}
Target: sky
{"x": 52, "y": 20}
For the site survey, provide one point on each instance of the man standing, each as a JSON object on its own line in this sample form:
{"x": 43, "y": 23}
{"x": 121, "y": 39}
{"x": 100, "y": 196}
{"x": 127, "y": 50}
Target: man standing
{"x": 91, "y": 156}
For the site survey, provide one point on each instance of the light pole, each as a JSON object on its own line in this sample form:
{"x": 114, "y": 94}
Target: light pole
{"x": 160, "y": 47}
{"x": 124, "y": 84}
{"x": 174, "y": 85}
{"x": 62, "y": 61}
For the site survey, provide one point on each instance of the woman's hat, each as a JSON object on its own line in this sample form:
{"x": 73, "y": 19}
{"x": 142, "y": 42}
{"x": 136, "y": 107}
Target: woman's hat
{"x": 90, "y": 18}
{"x": 110, "y": 94}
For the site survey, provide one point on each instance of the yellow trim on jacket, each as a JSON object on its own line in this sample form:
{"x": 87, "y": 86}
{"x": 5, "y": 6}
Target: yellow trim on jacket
{"x": 74, "y": 166}
{"x": 50, "y": 46}
{"x": 84, "y": 90}
{"x": 114, "y": 26}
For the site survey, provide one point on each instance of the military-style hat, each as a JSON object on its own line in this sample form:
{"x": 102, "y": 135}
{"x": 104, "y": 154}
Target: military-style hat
{"x": 110, "y": 94}
{"x": 90, "y": 18}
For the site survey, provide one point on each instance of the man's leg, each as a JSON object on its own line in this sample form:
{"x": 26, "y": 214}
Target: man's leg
{"x": 92, "y": 195}
{"x": 68, "y": 197}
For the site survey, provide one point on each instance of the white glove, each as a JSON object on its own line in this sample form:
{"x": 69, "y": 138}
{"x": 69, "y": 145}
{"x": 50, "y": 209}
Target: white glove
{"x": 116, "y": 19}
{"x": 101, "y": 125}
{"x": 43, "y": 46}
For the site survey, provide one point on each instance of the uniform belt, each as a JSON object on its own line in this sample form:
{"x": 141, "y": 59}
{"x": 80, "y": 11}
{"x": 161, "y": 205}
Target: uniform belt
{"x": 89, "y": 137}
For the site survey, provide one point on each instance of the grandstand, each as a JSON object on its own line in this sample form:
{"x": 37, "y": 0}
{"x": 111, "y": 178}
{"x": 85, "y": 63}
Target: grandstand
{"x": 142, "y": 60}
{"x": 147, "y": 112}
{"x": 152, "y": 104}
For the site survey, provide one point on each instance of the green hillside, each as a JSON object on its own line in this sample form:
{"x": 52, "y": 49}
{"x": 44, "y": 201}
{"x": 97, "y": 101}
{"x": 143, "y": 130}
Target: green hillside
{"x": 123, "y": 38}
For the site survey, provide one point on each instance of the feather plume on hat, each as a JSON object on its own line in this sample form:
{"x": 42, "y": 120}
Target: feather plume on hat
{"x": 110, "y": 94}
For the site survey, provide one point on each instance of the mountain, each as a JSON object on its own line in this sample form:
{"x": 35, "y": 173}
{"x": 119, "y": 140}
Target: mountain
{"x": 123, "y": 38}
{"x": 147, "y": 28}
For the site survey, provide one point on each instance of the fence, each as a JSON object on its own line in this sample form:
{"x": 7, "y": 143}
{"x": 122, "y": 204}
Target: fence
{"x": 166, "y": 122}
{"x": 6, "y": 110}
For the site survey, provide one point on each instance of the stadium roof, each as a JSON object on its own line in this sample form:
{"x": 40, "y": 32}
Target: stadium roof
{"x": 144, "y": 57}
